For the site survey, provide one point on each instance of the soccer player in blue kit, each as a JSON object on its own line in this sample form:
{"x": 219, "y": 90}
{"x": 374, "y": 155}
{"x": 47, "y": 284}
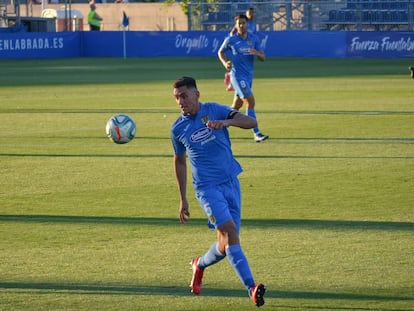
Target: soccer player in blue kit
{"x": 201, "y": 133}
{"x": 244, "y": 47}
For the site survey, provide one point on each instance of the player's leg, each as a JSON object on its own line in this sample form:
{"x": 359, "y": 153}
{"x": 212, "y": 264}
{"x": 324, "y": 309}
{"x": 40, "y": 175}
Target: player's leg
{"x": 243, "y": 91}
{"x": 227, "y": 82}
{"x": 237, "y": 102}
{"x": 238, "y": 93}
{"x": 229, "y": 232}
{"x": 214, "y": 205}
{"x": 198, "y": 264}
{"x": 220, "y": 204}
{"x": 229, "y": 201}
{"x": 237, "y": 259}
{"x": 212, "y": 256}
{"x": 250, "y": 111}
{"x": 230, "y": 241}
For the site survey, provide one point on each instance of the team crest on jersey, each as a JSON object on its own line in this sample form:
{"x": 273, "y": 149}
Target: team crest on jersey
{"x": 204, "y": 119}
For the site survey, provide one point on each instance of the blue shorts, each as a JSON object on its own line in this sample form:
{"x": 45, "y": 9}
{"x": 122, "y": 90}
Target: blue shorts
{"x": 221, "y": 203}
{"x": 242, "y": 86}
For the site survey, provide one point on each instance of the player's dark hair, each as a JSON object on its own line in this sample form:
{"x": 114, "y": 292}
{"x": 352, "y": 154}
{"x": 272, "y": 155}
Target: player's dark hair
{"x": 239, "y": 16}
{"x": 185, "y": 81}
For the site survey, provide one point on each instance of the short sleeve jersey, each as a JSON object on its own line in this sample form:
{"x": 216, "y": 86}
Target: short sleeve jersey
{"x": 209, "y": 151}
{"x": 242, "y": 60}
{"x": 251, "y": 26}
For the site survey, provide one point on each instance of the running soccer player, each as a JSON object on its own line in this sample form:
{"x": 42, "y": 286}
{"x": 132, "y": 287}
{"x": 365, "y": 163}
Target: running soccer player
{"x": 201, "y": 132}
{"x": 244, "y": 48}
{"x": 251, "y": 27}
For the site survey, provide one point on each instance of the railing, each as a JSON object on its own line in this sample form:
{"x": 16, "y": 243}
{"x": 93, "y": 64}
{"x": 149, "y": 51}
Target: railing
{"x": 3, "y": 13}
{"x": 372, "y": 15}
{"x": 9, "y": 8}
{"x": 307, "y": 15}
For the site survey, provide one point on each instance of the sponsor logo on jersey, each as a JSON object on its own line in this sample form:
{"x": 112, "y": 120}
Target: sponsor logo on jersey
{"x": 201, "y": 135}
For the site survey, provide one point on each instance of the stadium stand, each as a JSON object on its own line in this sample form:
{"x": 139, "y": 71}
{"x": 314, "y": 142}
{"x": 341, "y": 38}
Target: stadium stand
{"x": 313, "y": 14}
{"x": 276, "y": 15}
{"x": 220, "y": 15}
{"x": 372, "y": 15}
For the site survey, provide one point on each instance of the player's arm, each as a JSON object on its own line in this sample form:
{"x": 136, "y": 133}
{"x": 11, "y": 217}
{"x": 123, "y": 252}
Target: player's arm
{"x": 97, "y": 17}
{"x": 180, "y": 167}
{"x": 260, "y": 54}
{"x": 234, "y": 119}
{"x": 257, "y": 51}
{"x": 222, "y": 56}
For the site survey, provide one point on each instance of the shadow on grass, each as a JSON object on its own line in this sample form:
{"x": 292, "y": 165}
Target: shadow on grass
{"x": 146, "y": 70}
{"x": 119, "y": 289}
{"x": 169, "y": 156}
{"x": 259, "y": 223}
{"x": 174, "y": 112}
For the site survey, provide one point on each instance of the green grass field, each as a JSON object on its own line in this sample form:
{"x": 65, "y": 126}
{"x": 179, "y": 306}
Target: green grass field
{"x": 328, "y": 218}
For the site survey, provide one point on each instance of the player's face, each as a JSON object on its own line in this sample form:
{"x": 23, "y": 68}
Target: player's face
{"x": 250, "y": 14}
{"x": 241, "y": 25}
{"x": 187, "y": 99}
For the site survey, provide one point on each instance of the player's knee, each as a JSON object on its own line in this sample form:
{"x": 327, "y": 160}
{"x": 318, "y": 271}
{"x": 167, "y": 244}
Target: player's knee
{"x": 250, "y": 102}
{"x": 237, "y": 106}
{"x": 228, "y": 234}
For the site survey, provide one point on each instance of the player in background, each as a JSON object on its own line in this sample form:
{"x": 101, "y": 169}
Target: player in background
{"x": 251, "y": 27}
{"x": 244, "y": 47}
{"x": 201, "y": 133}
{"x": 251, "y": 23}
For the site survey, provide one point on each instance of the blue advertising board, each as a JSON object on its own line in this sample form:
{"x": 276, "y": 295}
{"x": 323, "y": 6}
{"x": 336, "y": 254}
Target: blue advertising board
{"x": 380, "y": 44}
{"x": 327, "y": 44}
{"x": 40, "y": 45}
{"x": 152, "y": 43}
{"x": 207, "y": 43}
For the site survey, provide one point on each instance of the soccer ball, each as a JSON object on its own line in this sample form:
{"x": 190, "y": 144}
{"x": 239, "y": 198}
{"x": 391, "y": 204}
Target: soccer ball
{"x": 121, "y": 128}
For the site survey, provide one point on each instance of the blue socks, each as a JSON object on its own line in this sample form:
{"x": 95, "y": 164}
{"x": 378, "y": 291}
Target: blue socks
{"x": 237, "y": 259}
{"x": 212, "y": 257}
{"x": 252, "y": 113}
{"x": 240, "y": 264}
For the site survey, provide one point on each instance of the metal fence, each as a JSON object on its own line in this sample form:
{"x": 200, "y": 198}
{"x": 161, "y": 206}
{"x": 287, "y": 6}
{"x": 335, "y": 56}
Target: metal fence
{"x": 282, "y": 15}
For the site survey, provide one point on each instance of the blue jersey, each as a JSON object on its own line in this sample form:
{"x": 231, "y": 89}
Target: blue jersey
{"x": 242, "y": 60}
{"x": 209, "y": 151}
{"x": 251, "y": 26}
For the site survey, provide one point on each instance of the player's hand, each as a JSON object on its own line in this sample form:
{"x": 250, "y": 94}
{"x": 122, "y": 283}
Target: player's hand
{"x": 259, "y": 54}
{"x": 253, "y": 51}
{"x": 228, "y": 65}
{"x": 217, "y": 124}
{"x": 184, "y": 212}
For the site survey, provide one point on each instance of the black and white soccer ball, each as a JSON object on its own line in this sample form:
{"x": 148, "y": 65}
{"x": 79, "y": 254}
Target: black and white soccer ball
{"x": 121, "y": 128}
